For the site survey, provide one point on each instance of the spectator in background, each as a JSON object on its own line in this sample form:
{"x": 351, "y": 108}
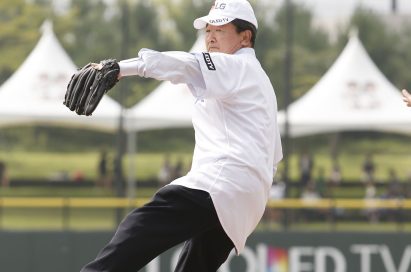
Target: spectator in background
{"x": 320, "y": 182}
{"x": 178, "y": 170}
{"x": 335, "y": 176}
{"x": 334, "y": 179}
{"x": 394, "y": 189}
{"x": 103, "y": 177}
{"x": 310, "y": 193}
{"x": 370, "y": 192}
{"x": 4, "y": 180}
{"x": 368, "y": 169}
{"x": 277, "y": 191}
{"x": 306, "y": 165}
{"x": 165, "y": 175}
{"x": 278, "y": 187}
{"x": 78, "y": 176}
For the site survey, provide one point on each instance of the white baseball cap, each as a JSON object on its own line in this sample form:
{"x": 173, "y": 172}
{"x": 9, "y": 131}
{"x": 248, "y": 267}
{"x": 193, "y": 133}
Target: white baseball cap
{"x": 225, "y": 11}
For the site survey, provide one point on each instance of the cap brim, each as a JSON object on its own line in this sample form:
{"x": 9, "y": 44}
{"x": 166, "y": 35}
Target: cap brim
{"x": 202, "y": 22}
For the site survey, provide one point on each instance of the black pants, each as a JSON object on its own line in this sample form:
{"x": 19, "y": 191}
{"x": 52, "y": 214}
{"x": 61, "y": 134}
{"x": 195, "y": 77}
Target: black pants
{"x": 174, "y": 215}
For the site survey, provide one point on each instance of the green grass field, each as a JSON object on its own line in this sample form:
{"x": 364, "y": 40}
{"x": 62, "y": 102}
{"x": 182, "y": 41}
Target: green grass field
{"x": 42, "y": 165}
{"x": 38, "y": 166}
{"x": 106, "y": 219}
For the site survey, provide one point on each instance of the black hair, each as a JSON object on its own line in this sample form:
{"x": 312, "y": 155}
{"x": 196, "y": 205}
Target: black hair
{"x": 242, "y": 25}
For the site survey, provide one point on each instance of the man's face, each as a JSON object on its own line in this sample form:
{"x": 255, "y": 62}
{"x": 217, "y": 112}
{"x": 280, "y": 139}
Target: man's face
{"x": 223, "y": 39}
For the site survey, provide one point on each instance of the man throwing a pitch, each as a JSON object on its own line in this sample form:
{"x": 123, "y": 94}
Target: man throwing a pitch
{"x": 217, "y": 205}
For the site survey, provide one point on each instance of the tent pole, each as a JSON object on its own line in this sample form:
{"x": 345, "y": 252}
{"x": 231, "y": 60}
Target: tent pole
{"x": 287, "y": 98}
{"x": 287, "y": 90}
{"x": 334, "y": 141}
{"x": 131, "y": 177}
{"x": 394, "y": 6}
{"x": 118, "y": 171}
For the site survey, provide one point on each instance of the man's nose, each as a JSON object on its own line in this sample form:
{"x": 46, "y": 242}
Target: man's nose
{"x": 210, "y": 37}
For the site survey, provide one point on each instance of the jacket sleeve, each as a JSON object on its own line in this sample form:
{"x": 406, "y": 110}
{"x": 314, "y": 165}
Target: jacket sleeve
{"x": 222, "y": 74}
{"x": 174, "y": 66}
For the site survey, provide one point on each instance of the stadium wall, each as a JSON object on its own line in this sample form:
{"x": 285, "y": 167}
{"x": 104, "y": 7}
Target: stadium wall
{"x": 265, "y": 252}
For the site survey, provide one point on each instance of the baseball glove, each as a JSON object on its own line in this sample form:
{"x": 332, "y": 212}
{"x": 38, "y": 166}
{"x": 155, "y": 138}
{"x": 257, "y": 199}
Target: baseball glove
{"x": 88, "y": 85}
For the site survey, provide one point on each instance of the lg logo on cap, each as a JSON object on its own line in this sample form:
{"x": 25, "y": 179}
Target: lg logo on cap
{"x": 218, "y": 5}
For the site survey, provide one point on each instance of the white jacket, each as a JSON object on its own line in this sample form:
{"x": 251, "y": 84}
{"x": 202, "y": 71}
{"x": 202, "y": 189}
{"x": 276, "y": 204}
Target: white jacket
{"x": 238, "y": 144}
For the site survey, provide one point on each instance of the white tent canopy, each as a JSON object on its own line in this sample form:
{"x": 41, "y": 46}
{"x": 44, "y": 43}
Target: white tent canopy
{"x": 169, "y": 105}
{"x": 35, "y": 92}
{"x": 352, "y": 95}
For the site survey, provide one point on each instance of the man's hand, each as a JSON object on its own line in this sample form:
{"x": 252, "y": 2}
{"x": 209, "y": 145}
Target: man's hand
{"x": 406, "y": 97}
{"x": 89, "y": 84}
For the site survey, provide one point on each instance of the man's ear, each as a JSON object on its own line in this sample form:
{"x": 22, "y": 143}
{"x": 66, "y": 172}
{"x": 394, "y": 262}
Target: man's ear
{"x": 246, "y": 38}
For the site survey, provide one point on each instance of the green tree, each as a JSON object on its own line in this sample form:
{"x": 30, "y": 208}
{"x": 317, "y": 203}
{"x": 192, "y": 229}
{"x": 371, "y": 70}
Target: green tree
{"x": 181, "y": 15}
{"x": 93, "y": 34}
{"x": 388, "y": 47}
{"x": 144, "y": 24}
{"x": 19, "y": 31}
{"x": 401, "y": 63}
{"x": 312, "y": 51}
{"x": 159, "y": 25}
{"x": 93, "y": 31}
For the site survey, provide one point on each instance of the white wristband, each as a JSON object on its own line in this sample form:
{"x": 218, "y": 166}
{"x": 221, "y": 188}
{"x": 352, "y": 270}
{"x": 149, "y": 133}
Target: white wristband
{"x": 130, "y": 67}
